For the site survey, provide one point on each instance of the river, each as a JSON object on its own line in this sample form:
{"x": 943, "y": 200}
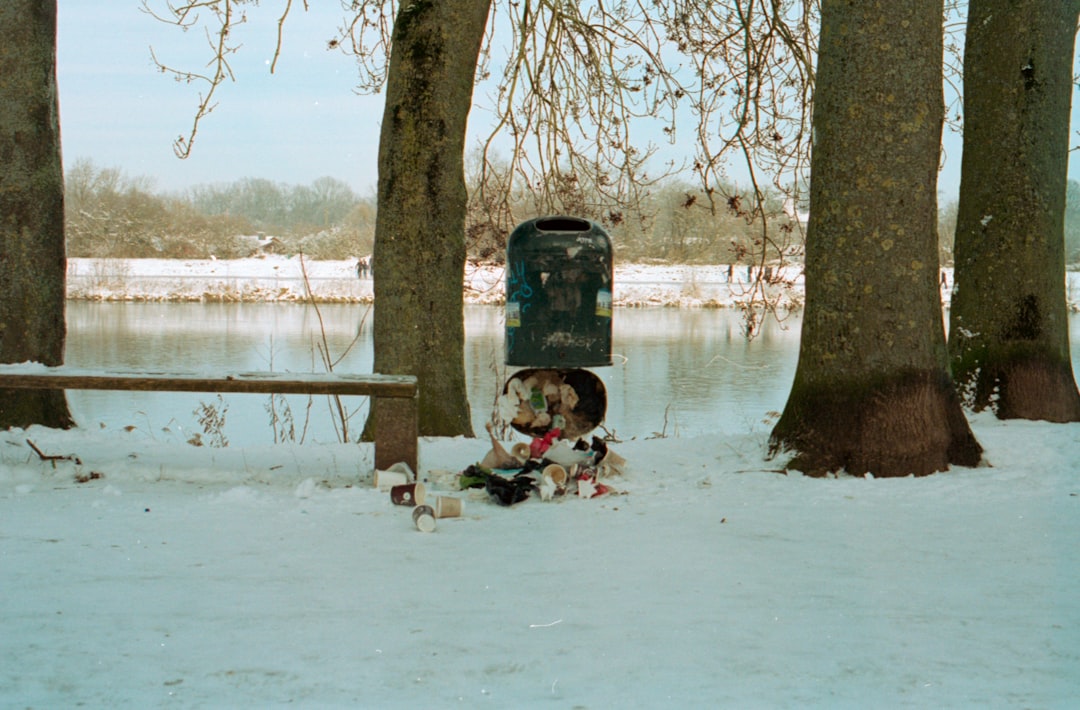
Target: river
{"x": 677, "y": 372}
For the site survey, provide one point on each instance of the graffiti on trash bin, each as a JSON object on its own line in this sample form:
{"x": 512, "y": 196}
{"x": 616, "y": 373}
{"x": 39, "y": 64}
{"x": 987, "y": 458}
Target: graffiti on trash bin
{"x": 565, "y": 339}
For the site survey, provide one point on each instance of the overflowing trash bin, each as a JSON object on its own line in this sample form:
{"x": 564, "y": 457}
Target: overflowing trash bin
{"x": 558, "y": 323}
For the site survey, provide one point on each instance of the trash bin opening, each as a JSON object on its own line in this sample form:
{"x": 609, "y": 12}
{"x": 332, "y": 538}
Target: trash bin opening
{"x": 539, "y": 398}
{"x": 563, "y": 224}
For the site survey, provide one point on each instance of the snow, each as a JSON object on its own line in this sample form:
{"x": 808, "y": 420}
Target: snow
{"x": 196, "y": 577}
{"x": 280, "y": 278}
{"x": 180, "y": 576}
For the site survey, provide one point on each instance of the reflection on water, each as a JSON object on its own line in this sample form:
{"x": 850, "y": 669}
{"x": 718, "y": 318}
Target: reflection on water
{"x": 677, "y": 371}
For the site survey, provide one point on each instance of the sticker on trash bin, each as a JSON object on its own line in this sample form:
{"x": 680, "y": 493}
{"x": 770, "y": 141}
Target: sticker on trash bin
{"x": 603, "y": 303}
{"x": 513, "y": 314}
{"x": 536, "y": 400}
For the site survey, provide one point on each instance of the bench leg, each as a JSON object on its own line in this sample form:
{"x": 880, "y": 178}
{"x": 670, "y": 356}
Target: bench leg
{"x": 396, "y": 432}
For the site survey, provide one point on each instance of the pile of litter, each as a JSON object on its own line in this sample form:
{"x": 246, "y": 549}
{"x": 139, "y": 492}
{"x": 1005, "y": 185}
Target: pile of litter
{"x": 556, "y": 408}
{"x": 549, "y": 466}
{"x": 401, "y": 482}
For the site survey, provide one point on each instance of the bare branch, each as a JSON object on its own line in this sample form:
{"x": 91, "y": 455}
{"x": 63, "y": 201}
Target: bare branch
{"x": 223, "y": 19}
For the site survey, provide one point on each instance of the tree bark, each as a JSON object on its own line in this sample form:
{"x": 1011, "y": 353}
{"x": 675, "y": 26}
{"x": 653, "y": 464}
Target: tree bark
{"x": 1009, "y": 328}
{"x": 32, "y": 259}
{"x": 872, "y": 393}
{"x": 419, "y": 255}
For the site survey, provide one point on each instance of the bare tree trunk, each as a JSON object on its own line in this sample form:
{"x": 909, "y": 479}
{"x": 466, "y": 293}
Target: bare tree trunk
{"x": 419, "y": 258}
{"x": 872, "y": 393}
{"x": 1009, "y": 327}
{"x": 32, "y": 261}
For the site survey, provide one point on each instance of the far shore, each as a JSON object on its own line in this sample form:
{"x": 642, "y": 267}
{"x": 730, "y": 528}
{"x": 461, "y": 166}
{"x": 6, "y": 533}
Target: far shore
{"x": 274, "y": 278}
{"x": 284, "y": 279}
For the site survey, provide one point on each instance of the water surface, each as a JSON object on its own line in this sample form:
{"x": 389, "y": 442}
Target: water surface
{"x": 676, "y": 372}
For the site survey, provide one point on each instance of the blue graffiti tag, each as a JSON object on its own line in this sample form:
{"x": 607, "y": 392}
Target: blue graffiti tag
{"x": 520, "y": 290}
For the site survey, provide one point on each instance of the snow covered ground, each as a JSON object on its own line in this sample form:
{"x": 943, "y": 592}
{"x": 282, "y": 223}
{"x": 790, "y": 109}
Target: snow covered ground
{"x": 180, "y": 576}
{"x": 195, "y": 577}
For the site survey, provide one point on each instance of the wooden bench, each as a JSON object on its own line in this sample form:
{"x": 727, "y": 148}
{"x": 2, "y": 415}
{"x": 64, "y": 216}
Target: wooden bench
{"x": 393, "y": 397}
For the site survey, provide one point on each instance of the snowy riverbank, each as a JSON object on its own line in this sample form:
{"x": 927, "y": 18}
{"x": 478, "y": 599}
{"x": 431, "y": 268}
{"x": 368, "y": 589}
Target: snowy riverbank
{"x": 277, "y": 278}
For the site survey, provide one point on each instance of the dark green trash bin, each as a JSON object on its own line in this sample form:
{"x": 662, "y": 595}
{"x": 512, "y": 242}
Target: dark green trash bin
{"x": 558, "y": 293}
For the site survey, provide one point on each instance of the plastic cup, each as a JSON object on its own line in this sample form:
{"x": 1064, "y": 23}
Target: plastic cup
{"x": 408, "y": 494}
{"x": 447, "y": 507}
{"x": 424, "y": 518}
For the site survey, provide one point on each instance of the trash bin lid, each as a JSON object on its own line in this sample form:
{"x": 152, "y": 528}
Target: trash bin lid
{"x": 561, "y": 236}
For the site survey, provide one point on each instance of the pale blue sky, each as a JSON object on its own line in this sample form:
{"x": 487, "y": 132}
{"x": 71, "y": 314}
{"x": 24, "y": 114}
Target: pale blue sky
{"x": 303, "y": 122}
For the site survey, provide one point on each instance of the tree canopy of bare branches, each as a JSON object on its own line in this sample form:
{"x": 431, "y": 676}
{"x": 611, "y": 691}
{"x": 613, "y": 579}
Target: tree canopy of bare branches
{"x": 594, "y": 92}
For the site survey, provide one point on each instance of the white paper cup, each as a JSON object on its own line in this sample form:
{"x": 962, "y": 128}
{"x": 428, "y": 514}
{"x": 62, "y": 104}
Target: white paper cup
{"x": 521, "y": 452}
{"x": 556, "y": 473}
{"x": 404, "y": 468}
{"x": 385, "y": 480}
{"x": 448, "y": 507}
{"x": 424, "y": 518}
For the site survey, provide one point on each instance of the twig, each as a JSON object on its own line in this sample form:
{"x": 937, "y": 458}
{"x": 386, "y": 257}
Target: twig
{"x": 338, "y": 412}
{"x": 53, "y": 458}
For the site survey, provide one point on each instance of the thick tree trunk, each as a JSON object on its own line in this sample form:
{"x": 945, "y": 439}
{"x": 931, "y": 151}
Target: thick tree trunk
{"x": 872, "y": 392}
{"x": 32, "y": 261}
{"x": 1009, "y": 328}
{"x": 419, "y": 258}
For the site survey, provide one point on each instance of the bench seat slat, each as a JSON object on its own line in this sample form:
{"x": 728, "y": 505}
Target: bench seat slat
{"x": 31, "y": 377}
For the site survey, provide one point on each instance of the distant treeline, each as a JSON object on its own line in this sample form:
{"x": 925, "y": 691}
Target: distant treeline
{"x": 111, "y": 215}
